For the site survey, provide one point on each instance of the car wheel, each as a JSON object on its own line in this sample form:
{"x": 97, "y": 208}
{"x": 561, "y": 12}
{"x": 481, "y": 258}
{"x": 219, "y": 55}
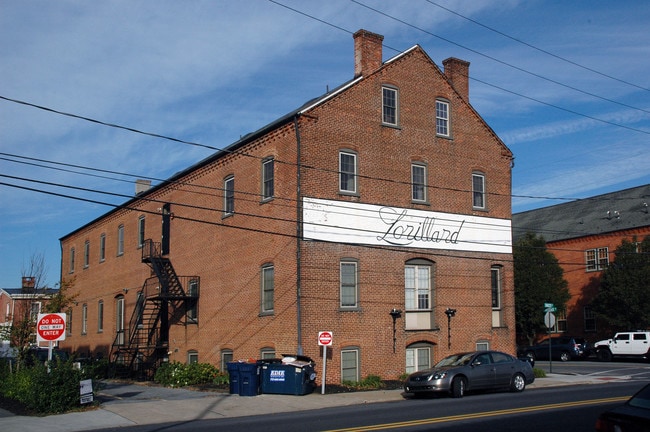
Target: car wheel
{"x": 518, "y": 383}
{"x": 565, "y": 356}
{"x": 530, "y": 355}
{"x": 604, "y": 355}
{"x": 458, "y": 387}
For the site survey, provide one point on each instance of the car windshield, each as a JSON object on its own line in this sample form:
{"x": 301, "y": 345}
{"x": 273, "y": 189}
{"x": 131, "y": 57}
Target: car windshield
{"x": 455, "y": 360}
{"x": 641, "y": 399}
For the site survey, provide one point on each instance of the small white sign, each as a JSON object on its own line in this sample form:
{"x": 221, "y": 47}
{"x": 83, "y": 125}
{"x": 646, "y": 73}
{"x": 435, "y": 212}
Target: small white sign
{"x": 86, "y": 391}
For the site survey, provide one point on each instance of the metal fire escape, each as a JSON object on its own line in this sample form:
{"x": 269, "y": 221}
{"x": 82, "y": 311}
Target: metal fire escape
{"x": 166, "y": 299}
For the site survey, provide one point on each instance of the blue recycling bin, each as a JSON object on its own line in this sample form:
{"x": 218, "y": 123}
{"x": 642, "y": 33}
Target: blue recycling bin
{"x": 249, "y": 383}
{"x": 285, "y": 378}
{"x": 233, "y": 377}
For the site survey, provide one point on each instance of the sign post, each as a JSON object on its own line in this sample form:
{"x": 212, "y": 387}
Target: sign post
{"x": 324, "y": 340}
{"x": 549, "y": 321}
{"x": 50, "y": 328}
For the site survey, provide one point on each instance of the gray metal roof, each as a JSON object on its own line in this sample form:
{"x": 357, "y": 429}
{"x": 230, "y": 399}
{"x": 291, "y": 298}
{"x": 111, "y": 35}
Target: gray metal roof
{"x": 615, "y": 211}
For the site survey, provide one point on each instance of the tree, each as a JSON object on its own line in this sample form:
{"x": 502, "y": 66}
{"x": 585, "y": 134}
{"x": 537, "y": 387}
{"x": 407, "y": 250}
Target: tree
{"x": 61, "y": 300}
{"x": 539, "y": 279}
{"x": 23, "y": 326}
{"x": 623, "y": 299}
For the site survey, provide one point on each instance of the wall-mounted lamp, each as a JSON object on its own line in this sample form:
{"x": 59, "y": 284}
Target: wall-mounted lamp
{"x": 450, "y": 313}
{"x": 125, "y": 290}
{"x": 395, "y": 313}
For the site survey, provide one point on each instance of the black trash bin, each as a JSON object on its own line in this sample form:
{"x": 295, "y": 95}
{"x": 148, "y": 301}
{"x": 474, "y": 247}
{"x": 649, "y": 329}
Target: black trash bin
{"x": 294, "y": 375}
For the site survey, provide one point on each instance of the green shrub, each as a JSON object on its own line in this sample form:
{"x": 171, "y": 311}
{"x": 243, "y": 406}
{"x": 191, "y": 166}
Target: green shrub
{"x": 176, "y": 374}
{"x": 539, "y": 373}
{"x": 370, "y": 382}
{"x": 44, "y": 391}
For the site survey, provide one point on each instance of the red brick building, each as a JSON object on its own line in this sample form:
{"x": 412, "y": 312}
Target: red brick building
{"x": 583, "y": 235}
{"x": 389, "y": 192}
{"x": 24, "y": 303}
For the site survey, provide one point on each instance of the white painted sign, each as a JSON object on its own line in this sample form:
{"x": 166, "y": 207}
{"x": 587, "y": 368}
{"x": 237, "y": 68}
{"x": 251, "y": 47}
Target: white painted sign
{"x": 346, "y": 222}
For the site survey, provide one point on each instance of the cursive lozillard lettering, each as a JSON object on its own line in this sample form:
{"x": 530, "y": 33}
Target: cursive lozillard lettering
{"x": 402, "y": 232}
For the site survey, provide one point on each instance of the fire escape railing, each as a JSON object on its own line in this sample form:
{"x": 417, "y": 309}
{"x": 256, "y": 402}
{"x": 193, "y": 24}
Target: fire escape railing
{"x": 141, "y": 346}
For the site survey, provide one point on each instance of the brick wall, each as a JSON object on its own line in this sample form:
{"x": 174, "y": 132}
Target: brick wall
{"x": 227, "y": 253}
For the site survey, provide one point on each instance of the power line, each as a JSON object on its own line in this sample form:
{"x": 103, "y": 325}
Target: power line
{"x": 520, "y": 69}
{"x": 564, "y": 59}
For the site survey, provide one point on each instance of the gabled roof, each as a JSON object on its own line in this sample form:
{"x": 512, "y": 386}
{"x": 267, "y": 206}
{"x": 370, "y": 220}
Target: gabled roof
{"x": 285, "y": 119}
{"x": 615, "y": 211}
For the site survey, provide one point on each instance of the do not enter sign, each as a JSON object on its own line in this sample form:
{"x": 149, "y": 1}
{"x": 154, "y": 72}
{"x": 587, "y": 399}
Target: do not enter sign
{"x": 324, "y": 338}
{"x": 50, "y": 327}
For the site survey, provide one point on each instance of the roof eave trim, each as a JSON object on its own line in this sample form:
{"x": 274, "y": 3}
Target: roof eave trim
{"x": 330, "y": 96}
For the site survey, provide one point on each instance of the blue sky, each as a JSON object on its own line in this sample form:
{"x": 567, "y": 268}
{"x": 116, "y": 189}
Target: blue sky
{"x": 564, "y": 84}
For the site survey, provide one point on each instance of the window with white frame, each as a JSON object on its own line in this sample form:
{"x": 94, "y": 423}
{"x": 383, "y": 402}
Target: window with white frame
{"x": 68, "y": 325}
{"x": 597, "y": 259}
{"x": 482, "y": 346}
{"x": 35, "y": 310}
{"x": 478, "y": 190}
{"x": 192, "y": 357}
{"x": 268, "y": 288}
{"x": 267, "y": 353}
{"x": 442, "y": 118}
{"x": 102, "y": 247}
{"x": 84, "y": 319}
{"x": 193, "y": 305}
{"x": 267, "y": 178}
{"x": 417, "y": 281}
{"x": 229, "y": 196}
{"x": 560, "y": 323}
{"x": 141, "y": 231}
{"x": 350, "y": 364}
{"x": 226, "y": 357}
{"x": 86, "y": 253}
{"x": 418, "y": 357}
{"x": 100, "y": 316}
{"x": 120, "y": 240}
{"x": 390, "y": 110}
{"x": 495, "y": 278}
{"x": 418, "y": 182}
{"x": 347, "y": 172}
{"x": 348, "y": 281}
{"x": 71, "y": 260}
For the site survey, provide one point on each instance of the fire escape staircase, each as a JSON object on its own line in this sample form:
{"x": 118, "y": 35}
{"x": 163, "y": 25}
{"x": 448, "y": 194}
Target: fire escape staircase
{"x": 166, "y": 299}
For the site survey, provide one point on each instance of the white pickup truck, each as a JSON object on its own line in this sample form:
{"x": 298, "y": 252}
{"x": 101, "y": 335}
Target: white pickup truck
{"x": 624, "y": 344}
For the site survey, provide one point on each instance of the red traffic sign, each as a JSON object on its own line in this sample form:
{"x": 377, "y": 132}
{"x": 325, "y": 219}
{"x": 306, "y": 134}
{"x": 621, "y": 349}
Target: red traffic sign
{"x": 50, "y": 327}
{"x": 324, "y": 338}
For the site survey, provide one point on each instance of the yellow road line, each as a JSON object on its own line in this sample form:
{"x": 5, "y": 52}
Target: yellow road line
{"x": 482, "y": 414}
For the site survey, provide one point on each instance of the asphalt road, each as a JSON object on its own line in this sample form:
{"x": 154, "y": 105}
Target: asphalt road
{"x": 573, "y": 408}
{"x": 633, "y": 369}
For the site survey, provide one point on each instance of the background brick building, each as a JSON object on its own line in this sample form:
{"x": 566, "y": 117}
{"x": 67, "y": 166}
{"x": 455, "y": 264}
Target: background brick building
{"x": 389, "y": 192}
{"x": 583, "y": 235}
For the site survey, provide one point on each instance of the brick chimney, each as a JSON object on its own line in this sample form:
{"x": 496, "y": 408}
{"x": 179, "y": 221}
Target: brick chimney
{"x": 367, "y": 52}
{"x": 457, "y": 71}
{"x": 142, "y": 186}
{"x": 29, "y": 283}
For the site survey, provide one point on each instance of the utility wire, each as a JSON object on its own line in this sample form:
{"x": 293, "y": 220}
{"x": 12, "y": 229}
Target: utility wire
{"x": 520, "y": 69}
{"x": 564, "y": 59}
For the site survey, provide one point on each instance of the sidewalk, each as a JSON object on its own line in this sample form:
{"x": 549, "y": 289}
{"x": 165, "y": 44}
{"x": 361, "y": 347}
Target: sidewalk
{"x": 130, "y": 404}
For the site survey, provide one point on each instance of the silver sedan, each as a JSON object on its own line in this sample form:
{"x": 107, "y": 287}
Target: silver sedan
{"x": 479, "y": 370}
